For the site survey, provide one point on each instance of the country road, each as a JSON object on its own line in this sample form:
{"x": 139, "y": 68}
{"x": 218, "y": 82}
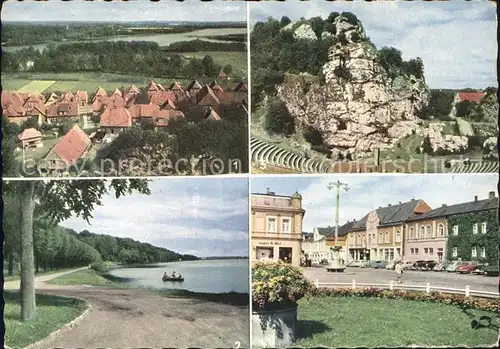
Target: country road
{"x": 135, "y": 318}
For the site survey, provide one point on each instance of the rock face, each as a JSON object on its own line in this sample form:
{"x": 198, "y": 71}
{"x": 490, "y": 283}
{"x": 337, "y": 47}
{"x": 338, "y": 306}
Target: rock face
{"x": 446, "y": 142}
{"x": 305, "y": 31}
{"x": 358, "y": 108}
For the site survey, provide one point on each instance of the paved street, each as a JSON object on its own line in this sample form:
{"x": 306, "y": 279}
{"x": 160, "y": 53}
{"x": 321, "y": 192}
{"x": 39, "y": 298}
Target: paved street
{"x": 442, "y": 279}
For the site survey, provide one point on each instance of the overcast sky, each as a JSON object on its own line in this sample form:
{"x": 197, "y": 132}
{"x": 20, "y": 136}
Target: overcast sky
{"x": 118, "y": 11}
{"x": 200, "y": 216}
{"x": 369, "y": 192}
{"x": 455, "y": 39}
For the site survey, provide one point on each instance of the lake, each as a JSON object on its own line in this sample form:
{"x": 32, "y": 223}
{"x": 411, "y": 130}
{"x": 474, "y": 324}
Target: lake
{"x": 207, "y": 276}
{"x": 161, "y": 39}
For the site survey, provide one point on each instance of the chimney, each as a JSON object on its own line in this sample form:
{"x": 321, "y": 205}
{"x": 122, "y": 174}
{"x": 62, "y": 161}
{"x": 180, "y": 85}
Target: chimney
{"x": 491, "y": 195}
{"x": 475, "y": 198}
{"x": 267, "y": 190}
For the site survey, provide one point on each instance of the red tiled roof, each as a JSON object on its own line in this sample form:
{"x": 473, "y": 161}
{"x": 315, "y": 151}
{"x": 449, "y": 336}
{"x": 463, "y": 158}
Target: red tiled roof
{"x": 29, "y": 133}
{"x": 99, "y": 94}
{"x": 206, "y": 97}
{"x": 169, "y": 104}
{"x": 154, "y": 87}
{"x": 215, "y": 86}
{"x": 471, "y": 96}
{"x": 117, "y": 92}
{"x": 82, "y": 96}
{"x": 160, "y": 97}
{"x": 9, "y": 98}
{"x": 67, "y": 97}
{"x": 72, "y": 146}
{"x": 194, "y": 85}
{"x": 228, "y": 97}
{"x": 163, "y": 116}
{"x": 175, "y": 86}
{"x": 63, "y": 109}
{"x": 116, "y": 117}
{"x": 146, "y": 110}
{"x": 212, "y": 115}
{"x": 241, "y": 87}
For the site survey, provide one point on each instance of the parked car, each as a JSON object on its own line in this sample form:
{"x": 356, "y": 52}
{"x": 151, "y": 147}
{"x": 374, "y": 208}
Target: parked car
{"x": 419, "y": 265}
{"x": 355, "y": 264}
{"x": 467, "y": 267}
{"x": 378, "y": 264}
{"x": 407, "y": 265}
{"x": 429, "y": 265}
{"x": 441, "y": 266}
{"x": 491, "y": 270}
{"x": 452, "y": 266}
{"x": 480, "y": 269}
{"x": 364, "y": 264}
{"x": 391, "y": 265}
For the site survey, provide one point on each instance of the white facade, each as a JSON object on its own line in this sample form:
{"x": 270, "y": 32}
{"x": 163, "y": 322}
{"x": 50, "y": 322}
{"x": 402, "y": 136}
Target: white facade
{"x": 316, "y": 248}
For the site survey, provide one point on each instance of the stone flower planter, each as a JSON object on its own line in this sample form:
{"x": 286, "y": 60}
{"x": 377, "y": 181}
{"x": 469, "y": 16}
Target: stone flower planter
{"x": 274, "y": 328}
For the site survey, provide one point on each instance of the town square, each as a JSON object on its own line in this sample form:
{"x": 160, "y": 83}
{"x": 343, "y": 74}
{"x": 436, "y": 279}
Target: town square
{"x": 382, "y": 240}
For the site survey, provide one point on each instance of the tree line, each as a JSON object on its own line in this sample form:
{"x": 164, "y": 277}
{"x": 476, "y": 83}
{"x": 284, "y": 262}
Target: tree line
{"x": 30, "y": 34}
{"x": 135, "y": 57}
{"x": 57, "y": 247}
{"x": 129, "y": 251}
{"x": 203, "y": 45}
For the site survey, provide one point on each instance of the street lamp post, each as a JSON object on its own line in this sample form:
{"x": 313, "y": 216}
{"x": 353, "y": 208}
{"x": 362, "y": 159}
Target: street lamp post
{"x": 336, "y": 265}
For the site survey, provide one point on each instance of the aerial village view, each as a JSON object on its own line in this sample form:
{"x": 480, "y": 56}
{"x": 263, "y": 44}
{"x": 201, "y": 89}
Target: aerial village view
{"x": 375, "y": 261}
{"x": 110, "y": 93}
{"x": 110, "y": 270}
{"x": 336, "y": 88}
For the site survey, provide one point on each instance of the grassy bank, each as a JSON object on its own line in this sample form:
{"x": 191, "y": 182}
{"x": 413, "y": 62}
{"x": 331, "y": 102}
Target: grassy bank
{"x": 91, "y": 278}
{"x": 373, "y": 322}
{"x": 52, "y": 313}
{"x": 17, "y": 277}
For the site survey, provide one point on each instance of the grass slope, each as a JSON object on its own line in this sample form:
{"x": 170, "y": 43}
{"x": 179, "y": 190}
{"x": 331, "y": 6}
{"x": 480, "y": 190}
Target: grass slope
{"x": 52, "y": 313}
{"x": 84, "y": 277}
{"x": 372, "y": 322}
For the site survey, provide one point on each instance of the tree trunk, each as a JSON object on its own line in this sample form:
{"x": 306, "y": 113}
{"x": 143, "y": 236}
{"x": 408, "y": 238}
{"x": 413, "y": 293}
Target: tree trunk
{"x": 26, "y": 208}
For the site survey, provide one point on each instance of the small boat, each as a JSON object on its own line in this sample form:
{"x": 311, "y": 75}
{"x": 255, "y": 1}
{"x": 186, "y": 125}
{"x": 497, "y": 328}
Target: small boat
{"x": 169, "y": 278}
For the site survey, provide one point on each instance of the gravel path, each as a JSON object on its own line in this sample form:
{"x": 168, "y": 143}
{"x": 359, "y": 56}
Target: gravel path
{"x": 134, "y": 318}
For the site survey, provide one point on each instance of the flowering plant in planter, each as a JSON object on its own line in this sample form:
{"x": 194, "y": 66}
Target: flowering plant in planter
{"x": 277, "y": 285}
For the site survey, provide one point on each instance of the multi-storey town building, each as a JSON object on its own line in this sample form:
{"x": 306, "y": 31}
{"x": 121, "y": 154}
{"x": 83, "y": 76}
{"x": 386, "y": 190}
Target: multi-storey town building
{"x": 468, "y": 231}
{"x": 384, "y": 230}
{"x": 277, "y": 227}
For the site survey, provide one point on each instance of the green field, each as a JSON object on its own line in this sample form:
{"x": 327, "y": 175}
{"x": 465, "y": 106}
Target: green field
{"x": 373, "y": 322}
{"x": 37, "y": 86}
{"x": 90, "y": 82}
{"x": 13, "y": 84}
{"x": 52, "y": 313}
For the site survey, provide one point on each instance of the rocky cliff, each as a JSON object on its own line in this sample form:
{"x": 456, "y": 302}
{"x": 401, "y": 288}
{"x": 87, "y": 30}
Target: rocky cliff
{"x": 358, "y": 107}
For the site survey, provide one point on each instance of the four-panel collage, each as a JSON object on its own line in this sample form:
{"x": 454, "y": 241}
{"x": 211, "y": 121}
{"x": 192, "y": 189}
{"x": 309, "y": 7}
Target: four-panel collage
{"x": 233, "y": 174}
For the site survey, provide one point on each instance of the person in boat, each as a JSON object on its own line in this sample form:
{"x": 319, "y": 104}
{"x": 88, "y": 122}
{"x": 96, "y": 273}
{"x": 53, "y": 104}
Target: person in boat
{"x": 165, "y": 275}
{"x": 179, "y": 276}
{"x": 173, "y": 275}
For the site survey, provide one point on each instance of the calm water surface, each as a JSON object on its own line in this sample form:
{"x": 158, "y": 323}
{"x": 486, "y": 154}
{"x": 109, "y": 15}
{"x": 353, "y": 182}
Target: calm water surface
{"x": 161, "y": 39}
{"x": 208, "y": 276}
